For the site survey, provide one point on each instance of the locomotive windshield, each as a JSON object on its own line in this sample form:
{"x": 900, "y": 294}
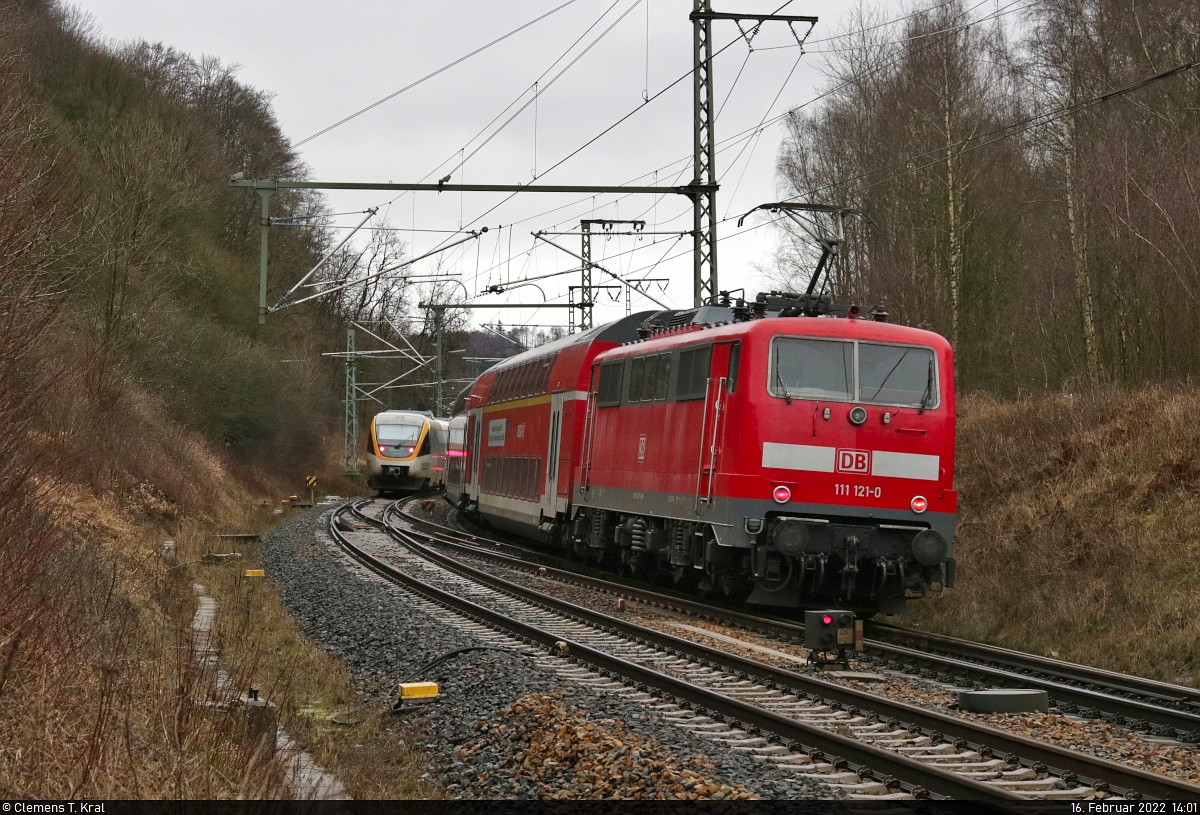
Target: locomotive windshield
{"x": 406, "y": 431}
{"x": 851, "y": 371}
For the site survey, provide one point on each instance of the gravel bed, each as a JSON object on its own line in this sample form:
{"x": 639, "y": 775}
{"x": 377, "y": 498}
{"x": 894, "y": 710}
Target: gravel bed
{"x": 1095, "y": 737}
{"x": 476, "y": 727}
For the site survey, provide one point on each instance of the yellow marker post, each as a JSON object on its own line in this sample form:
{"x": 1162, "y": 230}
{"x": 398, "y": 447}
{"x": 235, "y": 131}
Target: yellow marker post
{"x": 312, "y": 490}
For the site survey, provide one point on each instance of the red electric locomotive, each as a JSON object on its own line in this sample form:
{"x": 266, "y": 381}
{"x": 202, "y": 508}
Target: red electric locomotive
{"x": 743, "y": 449}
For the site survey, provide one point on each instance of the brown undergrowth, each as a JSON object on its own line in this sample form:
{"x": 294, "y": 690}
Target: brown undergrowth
{"x": 1079, "y": 529}
{"x": 369, "y": 750}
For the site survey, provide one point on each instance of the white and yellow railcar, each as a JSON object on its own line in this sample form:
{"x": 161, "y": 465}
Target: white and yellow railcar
{"x": 407, "y": 452}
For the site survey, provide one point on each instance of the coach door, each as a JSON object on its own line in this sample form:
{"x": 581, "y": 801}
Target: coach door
{"x": 473, "y": 466}
{"x": 714, "y": 411}
{"x": 553, "y": 452}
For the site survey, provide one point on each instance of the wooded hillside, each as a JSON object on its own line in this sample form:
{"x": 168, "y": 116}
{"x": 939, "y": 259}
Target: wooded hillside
{"x": 1027, "y": 198}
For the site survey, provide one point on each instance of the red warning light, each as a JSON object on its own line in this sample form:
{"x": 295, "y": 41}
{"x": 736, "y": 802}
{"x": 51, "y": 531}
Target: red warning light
{"x": 827, "y": 620}
{"x": 781, "y": 495}
{"x": 919, "y": 504}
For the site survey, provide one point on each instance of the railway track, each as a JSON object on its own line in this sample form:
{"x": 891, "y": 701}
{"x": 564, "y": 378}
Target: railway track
{"x": 858, "y": 742}
{"x": 1156, "y": 708}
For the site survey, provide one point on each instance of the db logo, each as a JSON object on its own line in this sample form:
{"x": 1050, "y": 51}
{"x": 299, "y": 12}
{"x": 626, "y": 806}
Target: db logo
{"x": 853, "y": 461}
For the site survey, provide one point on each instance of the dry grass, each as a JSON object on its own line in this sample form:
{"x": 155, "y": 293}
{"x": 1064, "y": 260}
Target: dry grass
{"x": 101, "y": 697}
{"x": 261, "y": 646}
{"x": 1079, "y": 529}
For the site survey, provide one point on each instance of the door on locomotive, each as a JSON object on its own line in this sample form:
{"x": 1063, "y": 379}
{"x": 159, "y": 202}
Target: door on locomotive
{"x": 722, "y": 373}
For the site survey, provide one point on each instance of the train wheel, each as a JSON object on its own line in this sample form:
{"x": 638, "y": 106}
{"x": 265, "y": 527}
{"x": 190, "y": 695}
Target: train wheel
{"x": 734, "y": 588}
{"x": 651, "y": 569}
{"x": 685, "y": 577}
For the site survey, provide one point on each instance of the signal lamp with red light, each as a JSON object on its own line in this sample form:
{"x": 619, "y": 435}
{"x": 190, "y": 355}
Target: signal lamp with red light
{"x": 781, "y": 495}
{"x": 827, "y": 620}
{"x": 919, "y": 504}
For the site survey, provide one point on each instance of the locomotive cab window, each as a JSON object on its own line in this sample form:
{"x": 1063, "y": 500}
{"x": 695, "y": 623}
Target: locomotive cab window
{"x": 636, "y": 376}
{"x": 663, "y": 381}
{"x": 735, "y": 356}
{"x": 896, "y": 375}
{"x": 812, "y": 369}
{"x": 852, "y": 371}
{"x": 609, "y": 387}
{"x": 691, "y": 380}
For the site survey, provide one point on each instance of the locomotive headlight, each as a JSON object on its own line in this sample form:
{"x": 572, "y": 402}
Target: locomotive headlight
{"x": 930, "y": 548}
{"x": 791, "y": 537}
{"x": 781, "y": 494}
{"x": 919, "y": 504}
{"x": 858, "y": 415}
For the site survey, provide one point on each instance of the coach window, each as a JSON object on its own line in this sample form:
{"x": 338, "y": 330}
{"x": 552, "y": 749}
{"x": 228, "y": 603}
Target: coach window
{"x": 522, "y": 381}
{"x": 663, "y": 381}
{"x": 531, "y": 375}
{"x": 518, "y": 378}
{"x": 543, "y": 375}
{"x": 691, "y": 380}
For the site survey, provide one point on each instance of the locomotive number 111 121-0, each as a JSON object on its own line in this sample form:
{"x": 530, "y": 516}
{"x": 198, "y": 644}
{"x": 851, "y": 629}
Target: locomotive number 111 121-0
{"x": 858, "y": 490}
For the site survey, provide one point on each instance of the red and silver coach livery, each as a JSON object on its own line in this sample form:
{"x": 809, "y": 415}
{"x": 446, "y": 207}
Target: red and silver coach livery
{"x": 746, "y": 449}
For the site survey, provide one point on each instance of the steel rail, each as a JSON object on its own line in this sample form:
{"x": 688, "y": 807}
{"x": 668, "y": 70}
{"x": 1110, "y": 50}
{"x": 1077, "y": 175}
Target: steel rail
{"x": 1057, "y": 688}
{"x": 1020, "y": 661}
{"x": 938, "y": 782}
{"x": 1057, "y": 677}
{"x": 1060, "y": 760}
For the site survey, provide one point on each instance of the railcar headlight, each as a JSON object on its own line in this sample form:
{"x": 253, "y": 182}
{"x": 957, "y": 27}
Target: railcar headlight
{"x": 930, "y": 548}
{"x": 781, "y": 494}
{"x": 791, "y": 537}
{"x": 858, "y": 415}
{"x": 919, "y": 504}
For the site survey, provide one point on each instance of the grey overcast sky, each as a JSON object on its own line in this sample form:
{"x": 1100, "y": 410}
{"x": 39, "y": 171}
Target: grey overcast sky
{"x": 323, "y": 61}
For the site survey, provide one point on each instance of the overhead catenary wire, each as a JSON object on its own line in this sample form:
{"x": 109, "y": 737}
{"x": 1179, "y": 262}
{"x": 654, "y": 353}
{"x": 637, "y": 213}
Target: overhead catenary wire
{"x": 748, "y": 133}
{"x": 431, "y": 75}
{"x": 999, "y": 134}
{"x": 280, "y": 306}
{"x": 747, "y": 137}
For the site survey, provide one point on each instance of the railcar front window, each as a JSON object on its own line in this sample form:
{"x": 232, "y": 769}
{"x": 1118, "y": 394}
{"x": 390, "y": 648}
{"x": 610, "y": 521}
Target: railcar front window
{"x": 896, "y": 375}
{"x": 395, "y": 435}
{"x": 813, "y": 369}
